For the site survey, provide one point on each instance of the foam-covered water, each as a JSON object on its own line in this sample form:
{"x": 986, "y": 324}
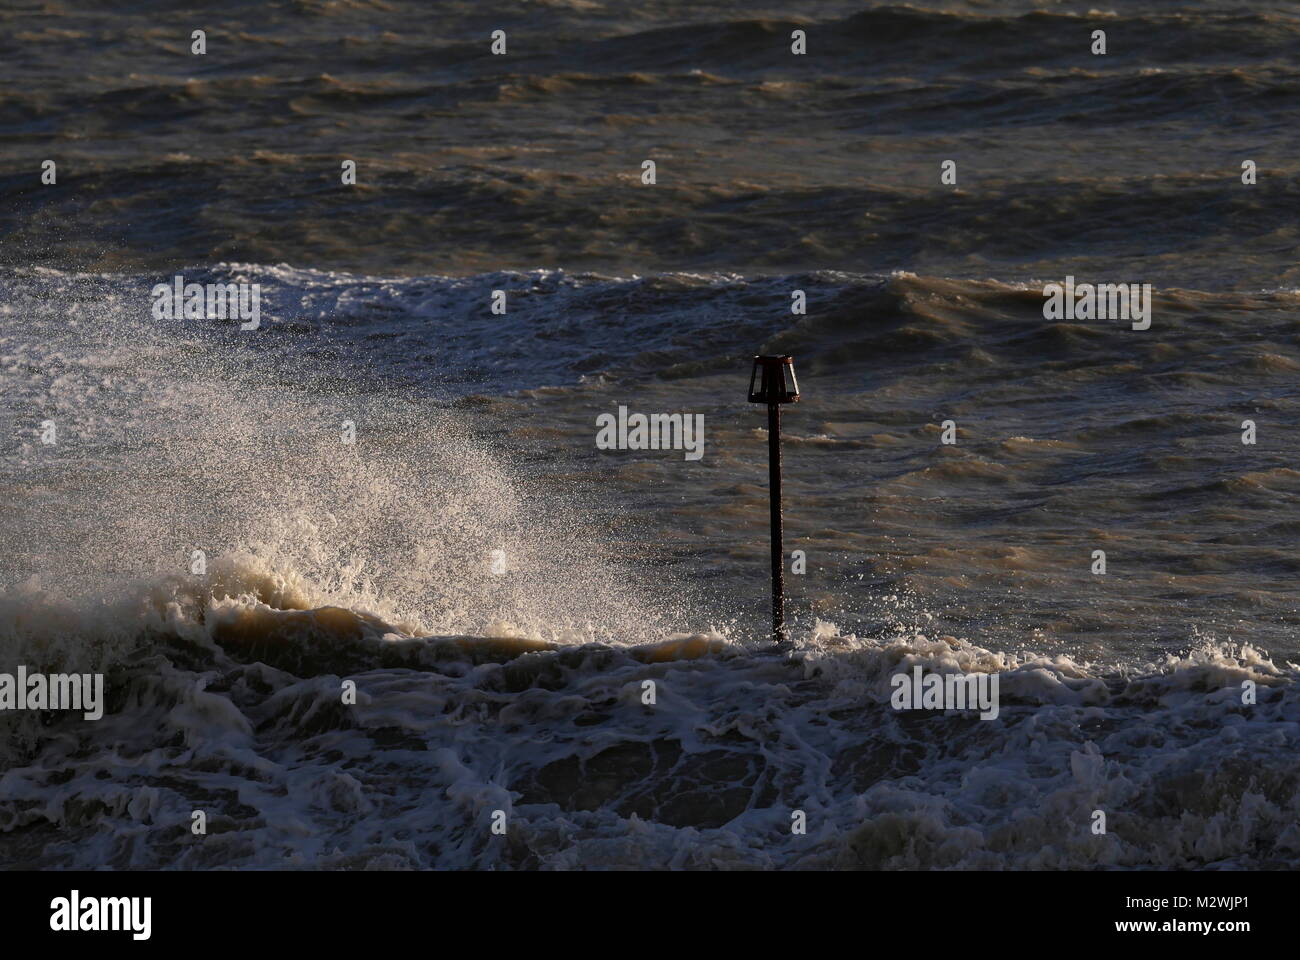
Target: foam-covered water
{"x": 235, "y": 709}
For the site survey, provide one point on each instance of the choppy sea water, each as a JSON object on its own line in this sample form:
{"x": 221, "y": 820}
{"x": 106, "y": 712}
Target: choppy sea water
{"x": 499, "y": 589}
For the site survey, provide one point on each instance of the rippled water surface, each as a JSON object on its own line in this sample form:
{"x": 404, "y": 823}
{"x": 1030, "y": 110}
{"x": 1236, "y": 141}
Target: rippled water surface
{"x": 498, "y": 588}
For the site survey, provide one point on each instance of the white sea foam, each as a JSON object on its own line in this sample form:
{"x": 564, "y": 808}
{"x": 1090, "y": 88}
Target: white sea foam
{"x": 589, "y": 776}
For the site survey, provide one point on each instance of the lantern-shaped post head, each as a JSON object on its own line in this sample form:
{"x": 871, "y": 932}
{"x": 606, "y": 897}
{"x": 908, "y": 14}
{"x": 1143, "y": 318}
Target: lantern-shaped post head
{"x": 772, "y": 381}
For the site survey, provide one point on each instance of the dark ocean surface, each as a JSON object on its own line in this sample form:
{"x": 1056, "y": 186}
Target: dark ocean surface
{"x": 499, "y": 588}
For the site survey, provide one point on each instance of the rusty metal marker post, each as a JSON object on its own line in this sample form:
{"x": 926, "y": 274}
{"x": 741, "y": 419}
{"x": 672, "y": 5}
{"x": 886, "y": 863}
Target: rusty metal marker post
{"x": 772, "y": 382}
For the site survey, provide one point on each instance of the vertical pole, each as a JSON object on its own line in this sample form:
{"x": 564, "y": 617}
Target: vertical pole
{"x": 774, "y": 487}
